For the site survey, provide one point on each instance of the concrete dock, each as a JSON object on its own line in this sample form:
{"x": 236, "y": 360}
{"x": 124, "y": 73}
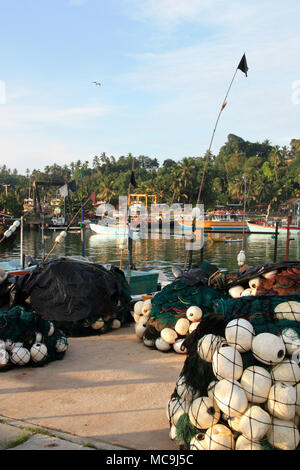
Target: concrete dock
{"x": 109, "y": 392}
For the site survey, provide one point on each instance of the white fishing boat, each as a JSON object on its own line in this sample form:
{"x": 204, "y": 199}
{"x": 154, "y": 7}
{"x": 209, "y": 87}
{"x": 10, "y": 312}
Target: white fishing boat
{"x": 109, "y": 226}
{"x": 282, "y": 230}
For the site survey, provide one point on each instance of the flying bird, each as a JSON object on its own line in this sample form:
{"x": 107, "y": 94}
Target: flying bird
{"x": 97, "y": 83}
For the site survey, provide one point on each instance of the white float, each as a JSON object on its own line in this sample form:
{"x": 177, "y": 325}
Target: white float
{"x": 282, "y": 401}
{"x": 203, "y": 414}
{"x": 194, "y": 313}
{"x": 239, "y": 334}
{"x": 255, "y": 423}
{"x": 182, "y": 326}
{"x": 38, "y": 352}
{"x": 288, "y": 311}
{"x": 230, "y": 397}
{"x": 161, "y": 345}
{"x": 256, "y": 382}
{"x": 168, "y": 335}
{"x": 207, "y": 346}
{"x": 177, "y": 346}
{"x": 283, "y": 434}
{"x": 236, "y": 291}
{"x": 268, "y": 348}
{"x": 219, "y": 437}
{"x": 227, "y": 363}
{"x": 19, "y": 355}
{"x": 287, "y": 371}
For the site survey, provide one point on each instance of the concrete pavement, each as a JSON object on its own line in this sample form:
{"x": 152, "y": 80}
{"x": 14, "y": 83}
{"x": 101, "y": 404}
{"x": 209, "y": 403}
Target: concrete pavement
{"x": 109, "y": 392}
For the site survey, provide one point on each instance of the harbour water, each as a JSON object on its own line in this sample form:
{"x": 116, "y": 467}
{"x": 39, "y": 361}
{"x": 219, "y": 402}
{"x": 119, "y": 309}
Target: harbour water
{"x": 153, "y": 253}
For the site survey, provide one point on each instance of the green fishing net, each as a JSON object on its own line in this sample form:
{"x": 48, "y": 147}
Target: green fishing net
{"x": 172, "y": 302}
{"x": 20, "y": 326}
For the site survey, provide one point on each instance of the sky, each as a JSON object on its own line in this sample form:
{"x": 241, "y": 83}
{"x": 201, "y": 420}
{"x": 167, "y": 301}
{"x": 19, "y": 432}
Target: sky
{"x": 164, "y": 68}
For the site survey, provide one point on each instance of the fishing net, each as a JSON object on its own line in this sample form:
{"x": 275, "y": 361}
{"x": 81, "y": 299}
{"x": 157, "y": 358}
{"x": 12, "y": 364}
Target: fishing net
{"x": 28, "y": 340}
{"x": 81, "y": 298}
{"x": 238, "y": 388}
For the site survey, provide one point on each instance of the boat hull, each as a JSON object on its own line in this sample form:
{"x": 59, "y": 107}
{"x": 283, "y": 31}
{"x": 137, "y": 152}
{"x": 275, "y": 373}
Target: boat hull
{"x": 120, "y": 230}
{"x": 216, "y": 225}
{"x": 271, "y": 229}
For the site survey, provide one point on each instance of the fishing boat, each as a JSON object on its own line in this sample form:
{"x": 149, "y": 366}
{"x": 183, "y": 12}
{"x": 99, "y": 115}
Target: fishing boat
{"x": 111, "y": 227}
{"x": 224, "y": 222}
{"x": 282, "y": 230}
{"x": 14, "y": 267}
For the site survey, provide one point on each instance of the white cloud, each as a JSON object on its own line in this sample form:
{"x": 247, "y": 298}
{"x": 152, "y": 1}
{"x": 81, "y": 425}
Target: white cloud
{"x": 14, "y": 117}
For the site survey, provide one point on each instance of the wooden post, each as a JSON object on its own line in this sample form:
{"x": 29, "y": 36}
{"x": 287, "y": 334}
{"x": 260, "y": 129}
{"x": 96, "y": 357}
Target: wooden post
{"x": 276, "y": 240}
{"x": 287, "y": 238}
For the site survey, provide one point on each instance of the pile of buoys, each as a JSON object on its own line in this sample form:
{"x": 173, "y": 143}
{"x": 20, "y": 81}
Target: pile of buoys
{"x": 252, "y": 400}
{"x": 26, "y": 339}
{"x": 169, "y": 338}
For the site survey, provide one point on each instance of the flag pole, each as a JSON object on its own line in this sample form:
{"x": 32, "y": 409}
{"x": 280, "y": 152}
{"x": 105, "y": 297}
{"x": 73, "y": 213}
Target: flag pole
{"x": 241, "y": 66}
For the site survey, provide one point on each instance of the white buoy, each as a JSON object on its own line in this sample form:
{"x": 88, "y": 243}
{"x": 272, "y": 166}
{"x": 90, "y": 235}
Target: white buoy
{"x": 194, "y": 313}
{"x": 4, "y": 357}
{"x": 288, "y": 311}
{"x": 203, "y": 414}
{"x": 241, "y": 258}
{"x": 291, "y": 340}
{"x": 116, "y": 324}
{"x": 161, "y": 345}
{"x": 239, "y": 334}
{"x": 236, "y": 291}
{"x": 219, "y": 437}
{"x": 168, "y": 335}
{"x": 230, "y": 397}
{"x": 194, "y": 326}
{"x": 242, "y": 443}
{"x": 256, "y": 382}
{"x": 38, "y": 352}
{"x": 247, "y": 292}
{"x": 282, "y": 401}
{"x": 98, "y": 324}
{"x": 177, "y": 346}
{"x": 207, "y": 346}
{"x": 185, "y": 391}
{"x": 287, "y": 371}
{"x": 182, "y": 326}
{"x": 150, "y": 343}
{"x": 2, "y": 344}
{"x": 51, "y": 328}
{"x": 227, "y": 363}
{"x": 147, "y": 308}
{"x": 283, "y": 434}
{"x": 255, "y": 423}
{"x": 176, "y": 407}
{"x": 61, "y": 344}
{"x": 137, "y": 310}
{"x": 268, "y": 348}
{"x": 19, "y": 355}
{"x": 270, "y": 274}
{"x": 198, "y": 443}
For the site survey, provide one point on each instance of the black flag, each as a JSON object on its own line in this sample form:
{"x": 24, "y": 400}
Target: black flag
{"x": 132, "y": 180}
{"x": 243, "y": 65}
{"x": 72, "y": 185}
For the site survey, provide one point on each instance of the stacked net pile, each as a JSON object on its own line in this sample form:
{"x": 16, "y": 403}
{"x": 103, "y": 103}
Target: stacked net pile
{"x": 28, "y": 340}
{"x": 81, "y": 298}
{"x": 240, "y": 384}
{"x": 175, "y": 312}
{"x": 171, "y": 316}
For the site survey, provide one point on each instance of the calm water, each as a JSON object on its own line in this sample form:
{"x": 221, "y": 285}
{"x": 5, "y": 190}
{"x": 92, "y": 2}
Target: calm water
{"x": 153, "y": 254}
